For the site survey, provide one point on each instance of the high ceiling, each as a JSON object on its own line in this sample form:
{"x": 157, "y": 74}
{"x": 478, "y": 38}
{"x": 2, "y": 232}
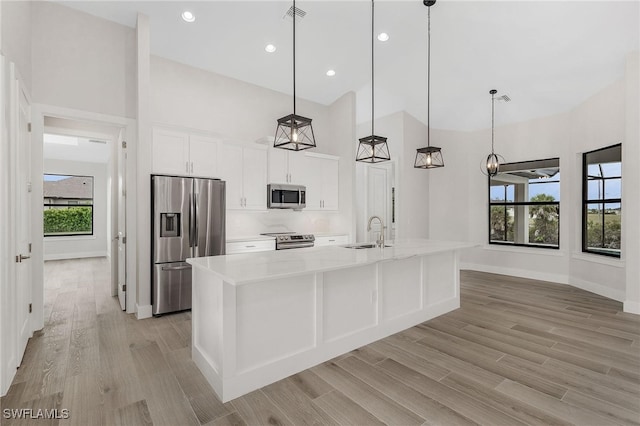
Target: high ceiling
{"x": 547, "y": 56}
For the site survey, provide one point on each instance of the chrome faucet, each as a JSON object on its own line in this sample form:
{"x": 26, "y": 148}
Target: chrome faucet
{"x": 379, "y": 241}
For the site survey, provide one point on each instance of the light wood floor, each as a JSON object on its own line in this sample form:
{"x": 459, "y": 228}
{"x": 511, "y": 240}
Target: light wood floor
{"x": 517, "y": 352}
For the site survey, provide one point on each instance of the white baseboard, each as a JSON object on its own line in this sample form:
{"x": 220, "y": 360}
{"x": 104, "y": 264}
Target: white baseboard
{"x": 143, "y": 311}
{"x": 598, "y": 289}
{"x": 555, "y": 278}
{"x": 632, "y": 307}
{"x": 522, "y": 273}
{"x": 80, "y": 255}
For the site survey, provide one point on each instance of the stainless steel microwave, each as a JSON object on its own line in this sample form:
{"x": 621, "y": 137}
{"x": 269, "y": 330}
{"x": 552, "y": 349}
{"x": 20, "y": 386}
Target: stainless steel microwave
{"x": 282, "y": 196}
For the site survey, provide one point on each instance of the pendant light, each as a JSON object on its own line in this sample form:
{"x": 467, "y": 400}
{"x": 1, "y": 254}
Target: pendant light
{"x": 294, "y": 132}
{"x": 372, "y": 149}
{"x": 493, "y": 163}
{"x": 428, "y": 157}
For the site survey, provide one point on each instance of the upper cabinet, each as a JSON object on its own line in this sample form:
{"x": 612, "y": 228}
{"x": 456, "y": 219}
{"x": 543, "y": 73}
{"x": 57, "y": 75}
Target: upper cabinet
{"x": 286, "y": 166}
{"x": 184, "y": 154}
{"x": 322, "y": 181}
{"x": 245, "y": 171}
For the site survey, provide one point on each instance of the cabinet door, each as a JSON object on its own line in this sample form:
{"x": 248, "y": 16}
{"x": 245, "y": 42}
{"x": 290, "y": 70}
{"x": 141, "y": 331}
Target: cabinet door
{"x": 313, "y": 182}
{"x": 278, "y": 169}
{"x": 230, "y": 170}
{"x": 170, "y": 152}
{"x": 255, "y": 178}
{"x": 330, "y": 184}
{"x": 203, "y": 153}
{"x": 298, "y": 168}
{"x": 334, "y": 240}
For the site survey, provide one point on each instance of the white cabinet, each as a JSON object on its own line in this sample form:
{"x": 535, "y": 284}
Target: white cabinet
{"x": 250, "y": 246}
{"x": 286, "y": 166}
{"x": 331, "y": 240}
{"x": 245, "y": 171}
{"x": 322, "y": 182}
{"x": 181, "y": 153}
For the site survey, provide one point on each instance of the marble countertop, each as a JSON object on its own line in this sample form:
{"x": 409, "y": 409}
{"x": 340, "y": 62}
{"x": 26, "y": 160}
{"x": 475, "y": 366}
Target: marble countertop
{"x": 246, "y": 268}
{"x": 250, "y": 238}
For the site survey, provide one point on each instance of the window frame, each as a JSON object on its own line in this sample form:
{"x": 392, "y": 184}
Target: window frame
{"x": 586, "y": 201}
{"x": 91, "y": 206}
{"x": 514, "y": 204}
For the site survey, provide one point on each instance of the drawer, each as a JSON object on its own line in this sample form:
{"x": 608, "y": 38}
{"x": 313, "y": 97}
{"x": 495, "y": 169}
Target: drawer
{"x": 250, "y": 246}
{"x": 334, "y": 240}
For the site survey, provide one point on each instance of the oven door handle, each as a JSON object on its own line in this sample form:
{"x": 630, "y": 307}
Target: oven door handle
{"x": 295, "y": 245}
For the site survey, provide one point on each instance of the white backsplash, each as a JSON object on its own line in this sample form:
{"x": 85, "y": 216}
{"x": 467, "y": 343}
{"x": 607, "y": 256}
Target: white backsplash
{"x": 241, "y": 223}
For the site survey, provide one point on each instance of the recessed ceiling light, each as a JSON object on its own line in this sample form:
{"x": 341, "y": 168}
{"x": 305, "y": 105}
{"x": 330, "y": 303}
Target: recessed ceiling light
{"x": 331, "y": 73}
{"x": 270, "y": 48}
{"x": 188, "y": 16}
{"x": 383, "y": 36}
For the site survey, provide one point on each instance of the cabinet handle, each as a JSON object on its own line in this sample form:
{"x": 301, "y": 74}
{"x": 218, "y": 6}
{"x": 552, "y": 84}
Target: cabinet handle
{"x": 192, "y": 167}
{"x": 249, "y": 246}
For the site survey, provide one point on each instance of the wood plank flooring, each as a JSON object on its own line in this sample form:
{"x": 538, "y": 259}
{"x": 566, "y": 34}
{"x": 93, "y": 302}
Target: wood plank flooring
{"x": 517, "y": 352}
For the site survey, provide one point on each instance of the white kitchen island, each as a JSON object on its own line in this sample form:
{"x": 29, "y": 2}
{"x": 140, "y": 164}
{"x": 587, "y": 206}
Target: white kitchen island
{"x": 260, "y": 317}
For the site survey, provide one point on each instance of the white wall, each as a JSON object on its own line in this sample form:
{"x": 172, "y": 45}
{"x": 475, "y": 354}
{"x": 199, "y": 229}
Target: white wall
{"x": 81, "y": 61}
{"x": 16, "y": 28}
{"x": 73, "y": 247}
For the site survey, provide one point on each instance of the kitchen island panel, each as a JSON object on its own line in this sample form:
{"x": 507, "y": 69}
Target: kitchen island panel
{"x": 401, "y": 287}
{"x": 349, "y": 301}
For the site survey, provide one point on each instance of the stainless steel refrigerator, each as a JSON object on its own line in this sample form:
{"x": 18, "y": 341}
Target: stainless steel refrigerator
{"x": 187, "y": 220}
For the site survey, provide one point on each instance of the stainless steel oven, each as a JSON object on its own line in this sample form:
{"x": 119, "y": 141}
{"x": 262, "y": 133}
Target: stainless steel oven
{"x": 291, "y": 240}
{"x": 281, "y": 196}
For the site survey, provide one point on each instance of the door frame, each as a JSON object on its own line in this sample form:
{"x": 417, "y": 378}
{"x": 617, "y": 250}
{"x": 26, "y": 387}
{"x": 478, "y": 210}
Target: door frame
{"x": 38, "y": 114}
{"x": 391, "y": 228}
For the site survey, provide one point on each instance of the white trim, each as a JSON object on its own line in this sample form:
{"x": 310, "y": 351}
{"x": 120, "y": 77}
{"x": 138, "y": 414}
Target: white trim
{"x": 631, "y": 307}
{"x": 80, "y": 255}
{"x": 143, "y": 311}
{"x": 320, "y": 155}
{"x": 596, "y": 288}
{"x": 522, "y": 273}
{"x": 598, "y": 258}
{"x": 525, "y": 250}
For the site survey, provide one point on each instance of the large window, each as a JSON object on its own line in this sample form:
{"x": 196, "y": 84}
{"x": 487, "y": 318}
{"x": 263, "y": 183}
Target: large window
{"x": 524, "y": 204}
{"x": 602, "y": 200}
{"x": 68, "y": 205}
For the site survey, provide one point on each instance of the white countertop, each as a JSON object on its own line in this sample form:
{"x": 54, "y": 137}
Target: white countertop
{"x": 250, "y": 238}
{"x": 252, "y": 267}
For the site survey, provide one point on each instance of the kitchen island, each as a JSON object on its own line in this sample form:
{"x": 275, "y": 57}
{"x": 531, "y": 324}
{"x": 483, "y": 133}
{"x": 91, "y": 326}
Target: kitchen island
{"x": 260, "y": 317}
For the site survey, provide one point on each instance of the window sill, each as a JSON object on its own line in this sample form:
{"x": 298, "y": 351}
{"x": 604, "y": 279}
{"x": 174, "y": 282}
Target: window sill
{"x": 69, "y": 238}
{"x": 596, "y": 258}
{"x": 524, "y": 250}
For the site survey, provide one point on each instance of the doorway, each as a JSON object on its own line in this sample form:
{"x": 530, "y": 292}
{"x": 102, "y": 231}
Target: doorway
{"x": 80, "y": 195}
{"x": 376, "y": 197}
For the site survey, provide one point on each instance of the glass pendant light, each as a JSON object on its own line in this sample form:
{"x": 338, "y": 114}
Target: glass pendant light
{"x": 428, "y": 157}
{"x": 493, "y": 163}
{"x": 294, "y": 132}
{"x": 373, "y": 149}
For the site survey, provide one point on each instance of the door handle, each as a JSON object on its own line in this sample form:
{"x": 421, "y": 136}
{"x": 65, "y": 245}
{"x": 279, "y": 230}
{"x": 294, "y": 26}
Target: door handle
{"x": 175, "y": 268}
{"x": 22, "y": 257}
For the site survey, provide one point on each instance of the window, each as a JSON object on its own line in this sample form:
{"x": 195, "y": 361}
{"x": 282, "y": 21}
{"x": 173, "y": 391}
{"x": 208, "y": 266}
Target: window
{"x": 602, "y": 200}
{"x": 524, "y": 204}
{"x": 68, "y": 205}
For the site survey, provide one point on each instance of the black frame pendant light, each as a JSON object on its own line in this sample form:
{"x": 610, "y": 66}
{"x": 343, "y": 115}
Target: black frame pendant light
{"x": 294, "y": 132}
{"x": 373, "y": 149}
{"x": 493, "y": 163}
{"x": 428, "y": 157}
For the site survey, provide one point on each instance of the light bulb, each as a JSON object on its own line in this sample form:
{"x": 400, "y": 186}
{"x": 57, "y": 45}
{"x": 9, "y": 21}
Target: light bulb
{"x": 188, "y": 16}
{"x": 428, "y": 159}
{"x": 294, "y": 135}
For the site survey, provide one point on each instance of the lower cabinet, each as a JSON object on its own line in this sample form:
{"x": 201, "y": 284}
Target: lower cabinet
{"x": 249, "y": 246}
{"x": 333, "y": 240}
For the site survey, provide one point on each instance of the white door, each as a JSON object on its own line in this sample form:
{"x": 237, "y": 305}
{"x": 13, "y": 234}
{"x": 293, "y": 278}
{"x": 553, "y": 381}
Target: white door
{"x": 377, "y": 200}
{"x": 122, "y": 223}
{"x": 23, "y": 218}
{"x": 230, "y": 169}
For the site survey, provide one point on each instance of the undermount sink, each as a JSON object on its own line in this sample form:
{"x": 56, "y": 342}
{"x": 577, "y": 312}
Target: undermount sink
{"x": 363, "y": 246}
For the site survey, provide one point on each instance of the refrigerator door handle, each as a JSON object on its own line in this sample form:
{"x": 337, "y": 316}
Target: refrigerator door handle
{"x": 196, "y": 218}
{"x": 176, "y": 268}
{"x": 191, "y": 221}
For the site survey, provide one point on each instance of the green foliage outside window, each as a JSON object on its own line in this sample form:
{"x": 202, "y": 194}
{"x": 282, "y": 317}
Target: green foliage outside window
{"x": 544, "y": 220}
{"x": 68, "y": 220}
